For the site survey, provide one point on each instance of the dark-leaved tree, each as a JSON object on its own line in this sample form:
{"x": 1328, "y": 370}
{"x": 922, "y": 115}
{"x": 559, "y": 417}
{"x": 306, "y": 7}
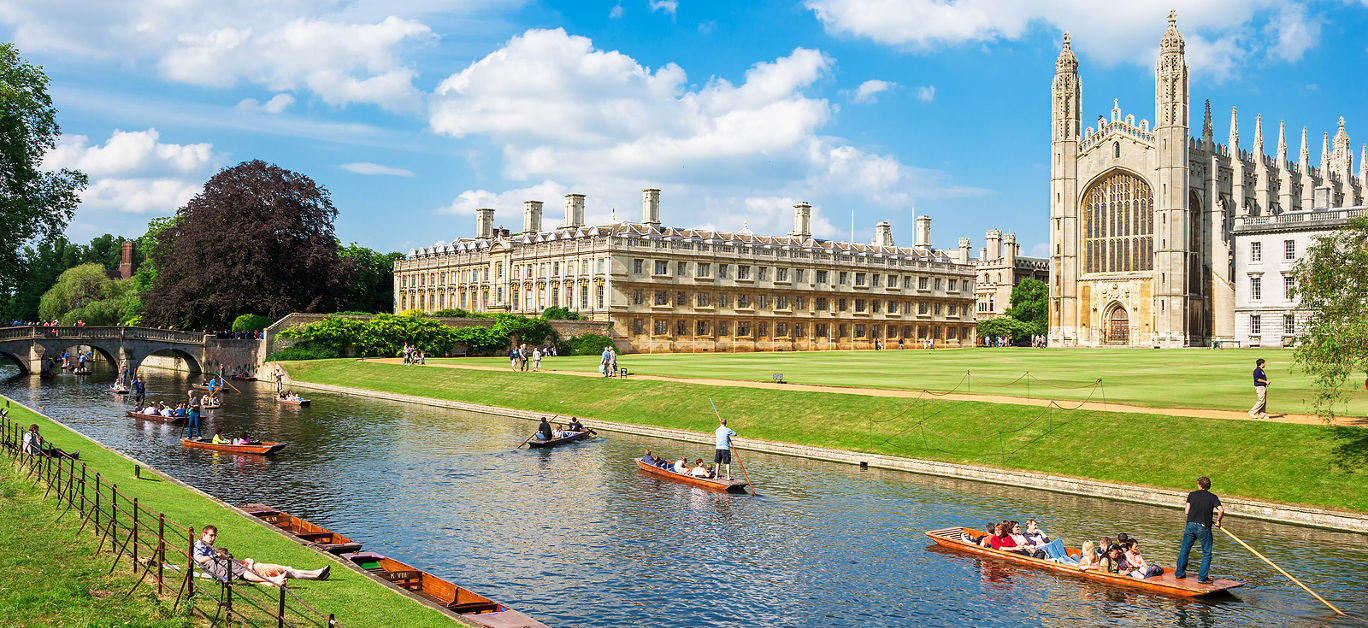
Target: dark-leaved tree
{"x": 259, "y": 239}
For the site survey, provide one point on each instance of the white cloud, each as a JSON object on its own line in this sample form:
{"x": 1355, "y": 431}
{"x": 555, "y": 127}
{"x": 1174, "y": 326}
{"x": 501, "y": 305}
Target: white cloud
{"x": 668, "y": 6}
{"x": 276, "y": 104}
{"x": 616, "y": 12}
{"x": 363, "y": 167}
{"x": 1220, "y": 33}
{"x": 135, "y": 172}
{"x": 926, "y": 93}
{"x": 868, "y": 91}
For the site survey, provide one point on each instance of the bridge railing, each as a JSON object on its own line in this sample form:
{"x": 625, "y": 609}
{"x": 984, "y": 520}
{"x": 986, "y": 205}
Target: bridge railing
{"x": 102, "y": 333}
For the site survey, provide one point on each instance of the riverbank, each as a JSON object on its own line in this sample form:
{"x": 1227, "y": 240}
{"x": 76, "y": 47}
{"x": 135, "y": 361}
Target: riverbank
{"x": 353, "y": 597}
{"x": 1297, "y": 464}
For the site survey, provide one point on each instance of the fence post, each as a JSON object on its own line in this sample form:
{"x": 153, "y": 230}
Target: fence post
{"x": 228, "y": 599}
{"x": 161, "y": 549}
{"x": 114, "y": 510}
{"x": 135, "y": 535}
{"x": 190, "y": 567}
{"x": 97, "y": 501}
{"x": 280, "y": 615}
{"x": 83, "y": 490}
{"x": 331, "y": 621}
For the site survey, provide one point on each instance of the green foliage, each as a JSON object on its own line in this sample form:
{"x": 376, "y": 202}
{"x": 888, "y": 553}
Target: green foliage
{"x": 413, "y": 312}
{"x": 1331, "y": 283}
{"x": 589, "y": 344}
{"x": 519, "y": 329}
{"x": 1030, "y": 305}
{"x": 44, "y": 262}
{"x": 304, "y": 351}
{"x": 35, "y": 203}
{"x": 372, "y": 289}
{"x": 251, "y": 322}
{"x": 1006, "y": 326}
{"x": 386, "y": 334}
{"x": 560, "y": 313}
{"x": 460, "y": 313}
{"x": 86, "y": 294}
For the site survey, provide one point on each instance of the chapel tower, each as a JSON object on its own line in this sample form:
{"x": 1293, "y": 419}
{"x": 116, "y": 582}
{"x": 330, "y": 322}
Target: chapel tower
{"x": 1177, "y": 277}
{"x": 1066, "y": 125}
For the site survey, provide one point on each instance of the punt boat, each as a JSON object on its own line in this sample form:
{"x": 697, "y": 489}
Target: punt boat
{"x": 712, "y": 484}
{"x": 471, "y": 606}
{"x": 260, "y": 449}
{"x": 966, "y": 540}
{"x": 292, "y": 402}
{"x": 569, "y": 437}
{"x": 118, "y": 389}
{"x": 155, "y": 417}
{"x": 311, "y": 533}
{"x": 220, "y": 389}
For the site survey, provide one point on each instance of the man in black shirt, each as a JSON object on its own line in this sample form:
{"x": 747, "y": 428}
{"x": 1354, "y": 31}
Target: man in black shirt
{"x": 1260, "y": 391}
{"x": 1200, "y": 504}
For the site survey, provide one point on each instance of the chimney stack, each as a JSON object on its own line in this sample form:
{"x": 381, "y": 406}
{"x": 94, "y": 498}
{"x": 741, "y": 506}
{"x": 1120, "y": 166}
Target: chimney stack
{"x": 484, "y": 223}
{"x": 924, "y": 233}
{"x": 994, "y": 238}
{"x": 574, "y": 211}
{"x": 126, "y": 261}
{"x": 532, "y": 216}
{"x": 883, "y": 234}
{"x": 1010, "y": 249}
{"x": 802, "y": 221}
{"x": 650, "y": 208}
{"x": 962, "y": 253}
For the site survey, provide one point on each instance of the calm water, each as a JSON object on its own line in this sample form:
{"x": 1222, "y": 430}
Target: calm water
{"x": 576, "y": 536}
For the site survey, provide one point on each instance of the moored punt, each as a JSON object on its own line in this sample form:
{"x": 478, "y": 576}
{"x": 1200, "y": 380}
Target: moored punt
{"x": 471, "y": 606}
{"x": 569, "y": 437}
{"x": 292, "y": 402}
{"x": 712, "y": 484}
{"x": 259, "y": 449}
{"x": 1164, "y": 583}
{"x": 313, "y": 534}
{"x": 155, "y": 417}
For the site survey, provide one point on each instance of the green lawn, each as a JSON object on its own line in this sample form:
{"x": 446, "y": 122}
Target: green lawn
{"x": 353, "y": 598}
{"x": 1183, "y": 378}
{"x": 1305, "y": 464}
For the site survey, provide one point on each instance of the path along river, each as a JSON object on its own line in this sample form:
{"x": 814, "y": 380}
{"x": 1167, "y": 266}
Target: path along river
{"x": 576, "y": 536}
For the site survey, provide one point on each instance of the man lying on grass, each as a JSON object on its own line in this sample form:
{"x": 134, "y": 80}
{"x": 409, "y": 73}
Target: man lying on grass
{"x": 220, "y": 564}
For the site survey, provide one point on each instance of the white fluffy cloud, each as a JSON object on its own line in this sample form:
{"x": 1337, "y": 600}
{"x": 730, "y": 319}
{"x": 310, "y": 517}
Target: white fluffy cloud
{"x": 667, "y": 6}
{"x": 364, "y": 167}
{"x": 276, "y": 104}
{"x": 868, "y": 91}
{"x": 133, "y": 171}
{"x": 1220, "y": 33}
{"x": 926, "y": 93}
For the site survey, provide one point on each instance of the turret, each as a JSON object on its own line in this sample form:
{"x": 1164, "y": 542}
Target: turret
{"x": 484, "y": 223}
{"x": 650, "y": 208}
{"x": 883, "y": 234}
{"x": 994, "y": 239}
{"x": 802, "y": 221}
{"x": 962, "y": 251}
{"x": 1010, "y": 248}
{"x": 1065, "y": 127}
{"x": 923, "y": 233}
{"x": 1286, "y": 202}
{"x": 532, "y": 215}
{"x": 574, "y": 210}
{"x": 1172, "y": 218}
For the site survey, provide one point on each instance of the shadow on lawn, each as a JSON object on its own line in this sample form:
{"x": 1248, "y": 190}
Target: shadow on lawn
{"x": 1351, "y": 447}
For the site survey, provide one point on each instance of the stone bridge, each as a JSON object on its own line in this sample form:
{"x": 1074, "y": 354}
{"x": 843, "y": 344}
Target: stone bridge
{"x": 38, "y": 349}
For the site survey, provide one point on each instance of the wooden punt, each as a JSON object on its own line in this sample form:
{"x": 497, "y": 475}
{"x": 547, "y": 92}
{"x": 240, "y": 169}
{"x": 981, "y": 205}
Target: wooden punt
{"x": 118, "y": 390}
{"x": 712, "y": 484}
{"x": 261, "y": 449}
{"x": 293, "y": 402}
{"x": 312, "y": 534}
{"x": 219, "y": 390}
{"x": 471, "y": 606}
{"x": 574, "y": 436}
{"x": 1166, "y": 584}
{"x": 155, "y": 417}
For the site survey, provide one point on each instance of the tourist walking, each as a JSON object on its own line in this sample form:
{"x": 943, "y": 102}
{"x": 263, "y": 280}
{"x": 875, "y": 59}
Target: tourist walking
{"x": 724, "y": 446}
{"x": 536, "y": 359}
{"x": 1199, "y": 507}
{"x": 522, "y": 357}
{"x": 612, "y": 362}
{"x": 1260, "y": 410}
{"x": 606, "y": 361}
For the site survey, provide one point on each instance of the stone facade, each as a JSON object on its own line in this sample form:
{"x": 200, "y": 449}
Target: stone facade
{"x": 999, "y": 268}
{"x": 667, "y": 289}
{"x": 1267, "y": 249}
{"x": 1141, "y": 218}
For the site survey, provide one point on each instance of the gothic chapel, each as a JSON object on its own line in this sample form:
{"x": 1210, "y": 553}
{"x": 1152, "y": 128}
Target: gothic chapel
{"x": 1141, "y": 217}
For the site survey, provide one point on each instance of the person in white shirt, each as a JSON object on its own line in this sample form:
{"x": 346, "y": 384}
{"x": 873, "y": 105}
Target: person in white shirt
{"x": 681, "y": 466}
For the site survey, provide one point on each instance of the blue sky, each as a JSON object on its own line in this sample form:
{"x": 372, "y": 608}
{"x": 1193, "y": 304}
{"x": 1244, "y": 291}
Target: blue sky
{"x": 415, "y": 112}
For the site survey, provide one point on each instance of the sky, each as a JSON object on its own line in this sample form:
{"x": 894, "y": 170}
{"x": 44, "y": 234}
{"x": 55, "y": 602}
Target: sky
{"x": 413, "y": 113}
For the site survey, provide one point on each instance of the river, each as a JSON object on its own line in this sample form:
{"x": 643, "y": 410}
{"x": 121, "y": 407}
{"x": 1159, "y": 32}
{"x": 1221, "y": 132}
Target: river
{"x": 577, "y": 536}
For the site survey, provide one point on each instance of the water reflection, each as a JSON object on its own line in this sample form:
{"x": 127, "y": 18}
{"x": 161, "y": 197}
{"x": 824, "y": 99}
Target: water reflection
{"x": 576, "y": 536}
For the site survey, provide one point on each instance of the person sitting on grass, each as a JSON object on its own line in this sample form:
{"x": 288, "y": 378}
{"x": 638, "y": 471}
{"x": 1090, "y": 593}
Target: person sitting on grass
{"x": 221, "y": 564}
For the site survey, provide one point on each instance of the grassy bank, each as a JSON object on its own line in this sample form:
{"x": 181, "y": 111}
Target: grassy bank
{"x": 51, "y": 579}
{"x": 1297, "y": 464}
{"x": 353, "y": 598}
{"x": 1188, "y": 378}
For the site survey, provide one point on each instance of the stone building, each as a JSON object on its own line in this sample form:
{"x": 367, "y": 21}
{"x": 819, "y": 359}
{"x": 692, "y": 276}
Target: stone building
{"x": 667, "y": 289}
{"x": 1141, "y": 217}
{"x": 999, "y": 268}
{"x": 1267, "y": 249}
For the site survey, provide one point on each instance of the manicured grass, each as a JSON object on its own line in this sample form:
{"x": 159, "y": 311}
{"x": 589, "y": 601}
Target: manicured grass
{"x": 51, "y": 579}
{"x": 353, "y": 598}
{"x": 1270, "y": 461}
{"x": 1182, "y": 378}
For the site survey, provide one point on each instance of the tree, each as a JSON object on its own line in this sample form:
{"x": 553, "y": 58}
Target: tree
{"x": 1331, "y": 284}
{"x": 1030, "y": 304}
{"x": 259, "y": 238}
{"x": 33, "y": 203}
{"x": 372, "y": 290}
{"x": 1005, "y": 326}
{"x": 86, "y": 293}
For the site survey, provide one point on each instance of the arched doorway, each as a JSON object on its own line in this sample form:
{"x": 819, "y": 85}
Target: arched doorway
{"x": 1117, "y": 325}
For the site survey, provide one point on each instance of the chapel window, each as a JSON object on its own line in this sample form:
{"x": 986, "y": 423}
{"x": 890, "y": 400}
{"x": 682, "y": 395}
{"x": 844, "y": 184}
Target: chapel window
{"x": 1118, "y": 215}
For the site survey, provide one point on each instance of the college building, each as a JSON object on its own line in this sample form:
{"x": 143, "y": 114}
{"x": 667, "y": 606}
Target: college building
{"x": 669, "y": 289}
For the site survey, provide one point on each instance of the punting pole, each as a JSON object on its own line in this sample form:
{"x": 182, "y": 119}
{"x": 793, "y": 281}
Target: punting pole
{"x": 733, "y": 451}
{"x": 1280, "y": 570}
{"x": 533, "y": 434}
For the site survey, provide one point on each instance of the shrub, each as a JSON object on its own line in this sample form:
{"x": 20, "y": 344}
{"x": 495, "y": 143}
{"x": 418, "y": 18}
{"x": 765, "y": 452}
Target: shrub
{"x": 560, "y": 313}
{"x": 304, "y": 351}
{"x": 589, "y": 344}
{"x": 251, "y": 322}
{"x": 457, "y": 312}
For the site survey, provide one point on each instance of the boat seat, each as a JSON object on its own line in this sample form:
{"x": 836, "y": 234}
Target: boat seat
{"x": 473, "y": 608}
{"x": 314, "y": 536}
{"x": 409, "y": 579}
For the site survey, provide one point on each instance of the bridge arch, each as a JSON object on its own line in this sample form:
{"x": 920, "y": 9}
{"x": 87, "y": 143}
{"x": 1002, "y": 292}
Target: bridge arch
{"x": 111, "y": 357}
{"x": 192, "y": 363}
{"x": 17, "y": 360}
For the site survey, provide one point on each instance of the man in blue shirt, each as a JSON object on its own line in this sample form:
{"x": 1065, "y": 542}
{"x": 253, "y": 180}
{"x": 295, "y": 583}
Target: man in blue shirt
{"x": 606, "y": 362}
{"x": 723, "y": 453}
{"x": 1261, "y": 390}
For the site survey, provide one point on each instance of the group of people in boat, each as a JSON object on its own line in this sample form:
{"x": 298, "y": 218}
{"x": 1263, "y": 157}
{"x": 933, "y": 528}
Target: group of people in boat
{"x": 681, "y": 466}
{"x": 545, "y": 431}
{"x": 241, "y": 439}
{"x": 289, "y": 395}
{"x": 160, "y": 408}
{"x": 1119, "y": 556}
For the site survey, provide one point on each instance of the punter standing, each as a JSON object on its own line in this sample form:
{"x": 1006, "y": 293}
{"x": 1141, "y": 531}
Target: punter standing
{"x": 1199, "y": 507}
{"x": 724, "y": 445}
{"x": 1259, "y": 411}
